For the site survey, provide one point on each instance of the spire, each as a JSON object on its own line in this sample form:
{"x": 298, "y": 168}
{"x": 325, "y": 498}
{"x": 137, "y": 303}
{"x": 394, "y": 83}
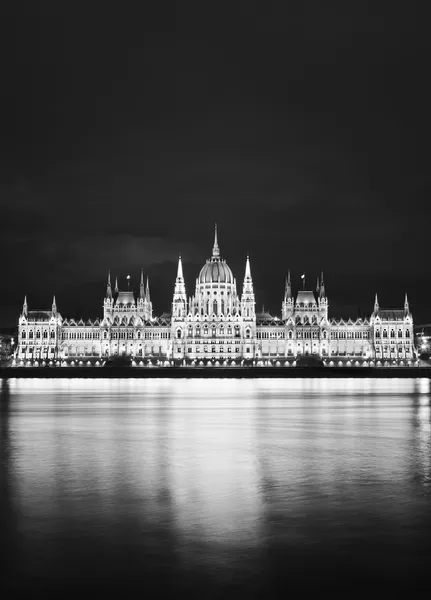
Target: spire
{"x": 147, "y": 294}
{"x": 288, "y": 287}
{"x": 216, "y": 249}
{"x": 141, "y": 286}
{"x": 317, "y": 286}
{"x": 180, "y": 268}
{"x": 376, "y": 304}
{"x": 25, "y": 307}
{"x": 322, "y": 286}
{"x": 406, "y": 305}
{"x": 54, "y": 306}
{"x": 108, "y": 286}
{"x": 116, "y": 286}
{"x": 247, "y": 268}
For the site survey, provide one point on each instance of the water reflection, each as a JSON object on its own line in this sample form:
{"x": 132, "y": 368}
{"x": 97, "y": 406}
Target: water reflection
{"x": 214, "y": 481}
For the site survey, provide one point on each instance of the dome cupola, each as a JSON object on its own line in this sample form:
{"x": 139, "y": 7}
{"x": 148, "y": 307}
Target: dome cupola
{"x": 215, "y": 269}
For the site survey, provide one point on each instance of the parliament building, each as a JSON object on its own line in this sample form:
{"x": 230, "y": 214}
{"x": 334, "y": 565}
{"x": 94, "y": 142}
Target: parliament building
{"x": 216, "y": 326}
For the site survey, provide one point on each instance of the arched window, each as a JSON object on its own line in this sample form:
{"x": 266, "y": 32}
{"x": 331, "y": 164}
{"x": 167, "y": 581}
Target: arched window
{"x": 407, "y": 333}
{"x": 178, "y": 333}
{"x": 290, "y": 334}
{"x": 392, "y": 333}
{"x": 377, "y": 333}
{"x": 248, "y": 333}
{"x": 215, "y": 307}
{"x": 45, "y": 335}
{"x": 30, "y": 335}
{"x": 52, "y": 334}
{"x": 38, "y": 335}
{"x": 385, "y": 333}
{"x": 400, "y": 333}
{"x": 325, "y": 335}
{"x": 23, "y": 335}
{"x": 105, "y": 335}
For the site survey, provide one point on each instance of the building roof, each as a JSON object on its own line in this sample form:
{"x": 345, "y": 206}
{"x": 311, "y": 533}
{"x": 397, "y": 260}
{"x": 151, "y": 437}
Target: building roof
{"x": 391, "y": 314}
{"x": 305, "y": 297}
{"x": 39, "y": 315}
{"x": 125, "y": 298}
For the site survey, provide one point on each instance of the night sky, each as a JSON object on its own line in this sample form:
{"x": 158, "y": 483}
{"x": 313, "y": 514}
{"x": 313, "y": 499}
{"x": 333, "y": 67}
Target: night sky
{"x": 302, "y": 128}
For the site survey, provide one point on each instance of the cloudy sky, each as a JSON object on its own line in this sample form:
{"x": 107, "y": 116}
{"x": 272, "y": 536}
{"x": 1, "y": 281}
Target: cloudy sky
{"x": 302, "y": 128}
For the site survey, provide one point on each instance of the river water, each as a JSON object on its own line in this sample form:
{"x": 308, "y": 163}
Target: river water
{"x": 215, "y": 488}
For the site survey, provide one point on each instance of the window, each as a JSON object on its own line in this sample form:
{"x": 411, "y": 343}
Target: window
{"x": 23, "y": 335}
{"x": 189, "y": 350}
{"x": 407, "y": 333}
{"x": 178, "y": 333}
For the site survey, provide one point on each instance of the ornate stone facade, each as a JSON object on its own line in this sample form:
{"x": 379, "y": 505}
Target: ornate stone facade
{"x": 218, "y": 326}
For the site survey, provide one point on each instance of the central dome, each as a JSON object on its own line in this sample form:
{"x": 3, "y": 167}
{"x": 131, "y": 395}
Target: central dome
{"x": 215, "y": 270}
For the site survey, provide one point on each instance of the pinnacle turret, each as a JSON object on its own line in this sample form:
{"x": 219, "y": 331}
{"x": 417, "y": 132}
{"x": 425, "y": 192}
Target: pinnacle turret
{"x": 25, "y": 307}
{"x": 322, "y": 286}
{"x": 406, "y": 305}
{"x": 108, "y": 286}
{"x": 376, "y": 304}
{"x": 147, "y": 293}
{"x": 142, "y": 287}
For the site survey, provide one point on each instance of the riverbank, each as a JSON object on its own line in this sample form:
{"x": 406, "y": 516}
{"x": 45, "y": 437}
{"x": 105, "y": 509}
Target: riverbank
{"x": 213, "y": 372}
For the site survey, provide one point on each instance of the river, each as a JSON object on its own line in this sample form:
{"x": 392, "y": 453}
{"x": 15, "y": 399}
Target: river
{"x": 215, "y": 488}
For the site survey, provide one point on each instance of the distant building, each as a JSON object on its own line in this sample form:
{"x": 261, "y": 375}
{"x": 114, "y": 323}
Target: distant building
{"x": 7, "y": 348}
{"x": 217, "y": 325}
{"x": 423, "y": 338}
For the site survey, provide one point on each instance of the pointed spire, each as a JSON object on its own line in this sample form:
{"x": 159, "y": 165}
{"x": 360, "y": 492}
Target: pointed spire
{"x": 116, "y": 285}
{"x": 288, "y": 287}
{"x": 376, "y": 304}
{"x": 141, "y": 286}
{"x": 108, "y": 286}
{"x": 54, "y": 306}
{"x": 147, "y": 293}
{"x": 180, "y": 268}
{"x": 25, "y": 307}
{"x": 247, "y": 268}
{"x": 317, "y": 286}
{"x": 322, "y": 286}
{"x": 406, "y": 305}
{"x": 216, "y": 249}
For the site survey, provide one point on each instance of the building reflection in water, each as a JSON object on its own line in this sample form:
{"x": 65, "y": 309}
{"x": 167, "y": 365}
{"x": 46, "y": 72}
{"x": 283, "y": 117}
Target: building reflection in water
{"x": 211, "y": 476}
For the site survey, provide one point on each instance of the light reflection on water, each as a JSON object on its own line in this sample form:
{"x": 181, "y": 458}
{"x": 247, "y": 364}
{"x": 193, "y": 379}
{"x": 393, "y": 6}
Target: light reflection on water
{"x": 211, "y": 482}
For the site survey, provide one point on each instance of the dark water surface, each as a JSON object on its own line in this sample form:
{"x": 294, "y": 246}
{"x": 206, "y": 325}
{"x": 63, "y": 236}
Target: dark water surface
{"x": 215, "y": 488}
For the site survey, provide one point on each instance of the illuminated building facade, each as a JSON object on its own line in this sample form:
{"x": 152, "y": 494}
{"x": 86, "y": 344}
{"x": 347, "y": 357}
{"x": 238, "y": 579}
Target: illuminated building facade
{"x": 216, "y": 326}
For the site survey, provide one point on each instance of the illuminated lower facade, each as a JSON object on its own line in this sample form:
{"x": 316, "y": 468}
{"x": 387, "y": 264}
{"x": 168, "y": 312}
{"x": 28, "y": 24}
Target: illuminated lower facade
{"x": 216, "y": 326}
